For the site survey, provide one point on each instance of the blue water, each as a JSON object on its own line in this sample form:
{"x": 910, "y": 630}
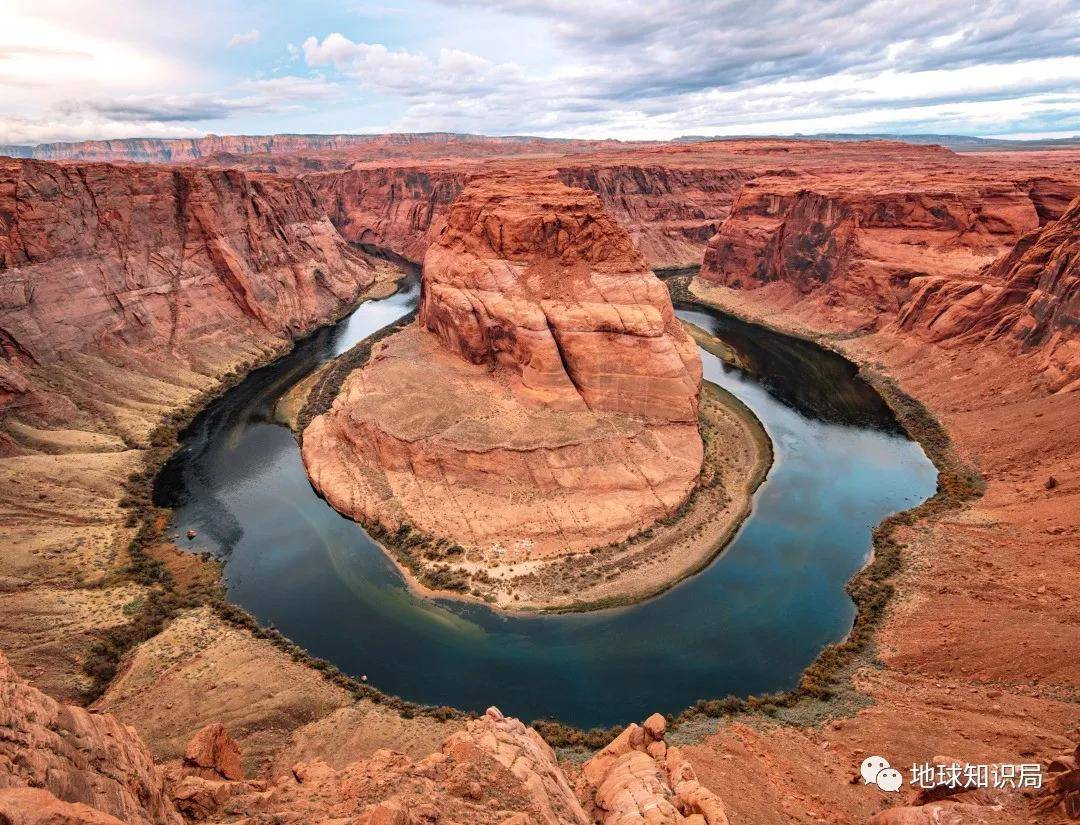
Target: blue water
{"x": 751, "y": 622}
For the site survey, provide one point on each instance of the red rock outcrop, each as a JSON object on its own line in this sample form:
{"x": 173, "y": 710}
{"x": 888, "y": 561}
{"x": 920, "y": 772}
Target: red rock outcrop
{"x": 395, "y": 208}
{"x": 185, "y": 265}
{"x": 856, "y": 243}
{"x": 61, "y": 764}
{"x": 539, "y": 280}
{"x": 639, "y": 778}
{"x": 546, "y": 402}
{"x": 212, "y": 754}
{"x": 56, "y": 758}
{"x": 1030, "y": 295}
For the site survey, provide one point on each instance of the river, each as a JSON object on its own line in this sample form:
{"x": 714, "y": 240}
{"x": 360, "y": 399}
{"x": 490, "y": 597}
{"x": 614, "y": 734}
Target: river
{"x": 749, "y": 623}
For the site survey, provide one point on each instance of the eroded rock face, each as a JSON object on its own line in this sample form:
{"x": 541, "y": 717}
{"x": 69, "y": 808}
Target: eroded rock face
{"x": 182, "y": 264}
{"x": 1031, "y": 295}
{"x": 61, "y": 759}
{"x": 856, "y": 242}
{"x": 638, "y": 778}
{"x": 670, "y": 213}
{"x": 495, "y": 771}
{"x": 61, "y": 764}
{"x": 546, "y": 401}
{"x": 540, "y": 281}
{"x": 395, "y": 208}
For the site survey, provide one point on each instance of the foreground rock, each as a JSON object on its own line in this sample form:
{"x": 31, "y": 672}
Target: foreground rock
{"x": 545, "y": 402}
{"x": 56, "y": 758}
{"x": 60, "y": 764}
{"x": 638, "y": 778}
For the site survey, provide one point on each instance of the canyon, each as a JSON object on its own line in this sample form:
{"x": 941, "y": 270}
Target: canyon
{"x": 566, "y": 416}
{"x": 131, "y": 293}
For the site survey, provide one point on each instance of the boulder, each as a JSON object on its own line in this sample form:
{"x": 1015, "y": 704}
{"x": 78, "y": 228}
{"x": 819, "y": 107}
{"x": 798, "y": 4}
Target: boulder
{"x": 212, "y": 754}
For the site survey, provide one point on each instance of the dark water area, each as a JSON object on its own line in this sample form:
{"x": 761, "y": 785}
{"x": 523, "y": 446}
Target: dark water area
{"x": 798, "y": 373}
{"x": 749, "y": 623}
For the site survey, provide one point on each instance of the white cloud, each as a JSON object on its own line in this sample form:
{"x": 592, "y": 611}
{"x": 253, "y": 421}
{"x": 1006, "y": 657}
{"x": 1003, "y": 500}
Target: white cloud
{"x": 626, "y": 68}
{"x": 245, "y": 39}
{"x": 410, "y": 74}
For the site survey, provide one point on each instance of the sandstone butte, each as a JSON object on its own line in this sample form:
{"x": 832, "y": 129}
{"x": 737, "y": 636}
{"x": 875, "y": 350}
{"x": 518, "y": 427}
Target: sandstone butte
{"x": 544, "y": 403}
{"x": 954, "y": 278}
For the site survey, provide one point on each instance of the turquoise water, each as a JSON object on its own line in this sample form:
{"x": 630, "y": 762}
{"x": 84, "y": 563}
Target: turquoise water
{"x": 751, "y": 622}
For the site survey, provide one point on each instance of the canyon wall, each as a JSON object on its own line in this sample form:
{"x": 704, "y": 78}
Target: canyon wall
{"x": 396, "y": 208}
{"x": 856, "y": 243}
{"x": 1031, "y": 295}
{"x": 147, "y": 265}
{"x": 670, "y": 212}
{"x": 946, "y": 258}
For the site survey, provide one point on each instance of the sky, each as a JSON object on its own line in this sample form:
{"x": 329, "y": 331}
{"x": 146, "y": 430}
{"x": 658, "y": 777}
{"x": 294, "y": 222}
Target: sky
{"x": 628, "y": 69}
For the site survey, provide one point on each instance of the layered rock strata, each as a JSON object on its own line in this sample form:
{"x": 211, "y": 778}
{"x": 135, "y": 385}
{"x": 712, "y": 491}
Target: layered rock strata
{"x": 1029, "y": 295}
{"x": 544, "y": 403}
{"x": 58, "y": 757}
{"x": 184, "y": 266}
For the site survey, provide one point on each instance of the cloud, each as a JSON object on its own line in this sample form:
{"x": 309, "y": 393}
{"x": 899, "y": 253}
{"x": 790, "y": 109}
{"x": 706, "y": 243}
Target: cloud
{"x": 29, "y": 131}
{"x": 410, "y": 74}
{"x": 245, "y": 39}
{"x": 624, "y": 68}
{"x": 659, "y": 68}
{"x": 269, "y": 96}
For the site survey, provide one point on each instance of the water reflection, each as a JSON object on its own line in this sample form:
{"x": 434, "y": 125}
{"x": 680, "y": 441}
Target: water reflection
{"x": 749, "y": 623}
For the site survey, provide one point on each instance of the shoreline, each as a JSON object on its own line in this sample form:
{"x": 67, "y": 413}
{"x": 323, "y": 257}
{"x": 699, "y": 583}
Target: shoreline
{"x": 865, "y": 588}
{"x": 654, "y": 558}
{"x": 720, "y": 541}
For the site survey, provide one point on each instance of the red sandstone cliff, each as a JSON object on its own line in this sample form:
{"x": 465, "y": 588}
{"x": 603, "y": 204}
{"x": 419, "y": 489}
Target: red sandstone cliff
{"x": 1030, "y": 295}
{"x": 856, "y": 243}
{"x": 537, "y": 278}
{"x": 545, "y": 404}
{"x": 670, "y": 213}
{"x": 395, "y": 208}
{"x": 141, "y": 265}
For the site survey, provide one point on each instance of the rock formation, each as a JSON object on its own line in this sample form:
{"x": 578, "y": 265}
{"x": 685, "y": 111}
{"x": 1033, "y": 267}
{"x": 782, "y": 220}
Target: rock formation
{"x": 537, "y": 279}
{"x": 638, "y": 778}
{"x": 56, "y": 758}
{"x": 546, "y": 401}
{"x": 186, "y": 266}
{"x": 60, "y": 764}
{"x": 1030, "y": 295}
